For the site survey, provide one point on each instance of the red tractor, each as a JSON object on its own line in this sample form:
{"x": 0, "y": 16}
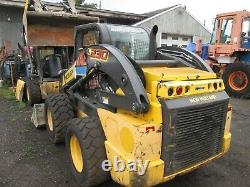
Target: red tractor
{"x": 229, "y": 51}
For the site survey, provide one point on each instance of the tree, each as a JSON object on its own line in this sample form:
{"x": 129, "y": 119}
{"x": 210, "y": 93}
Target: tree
{"x": 86, "y": 5}
{"x": 90, "y": 5}
{"x": 79, "y": 2}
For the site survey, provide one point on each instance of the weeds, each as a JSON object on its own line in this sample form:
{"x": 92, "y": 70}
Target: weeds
{"x": 9, "y": 94}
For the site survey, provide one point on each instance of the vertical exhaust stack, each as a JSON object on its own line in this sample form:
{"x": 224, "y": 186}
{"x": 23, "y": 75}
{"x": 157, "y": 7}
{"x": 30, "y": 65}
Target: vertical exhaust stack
{"x": 152, "y": 42}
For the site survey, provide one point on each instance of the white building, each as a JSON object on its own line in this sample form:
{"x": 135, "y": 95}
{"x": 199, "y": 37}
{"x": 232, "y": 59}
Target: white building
{"x": 177, "y": 27}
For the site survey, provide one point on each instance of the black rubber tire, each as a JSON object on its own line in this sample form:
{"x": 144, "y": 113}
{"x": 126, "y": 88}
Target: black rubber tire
{"x": 33, "y": 89}
{"x": 91, "y": 137}
{"x": 232, "y": 68}
{"x": 61, "y": 113}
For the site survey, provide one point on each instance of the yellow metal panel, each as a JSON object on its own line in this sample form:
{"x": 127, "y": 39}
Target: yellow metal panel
{"x": 119, "y": 177}
{"x": 190, "y": 87}
{"x": 228, "y": 121}
{"x": 154, "y": 75}
{"x": 120, "y": 92}
{"x": 69, "y": 75}
{"x": 144, "y": 138}
{"x": 154, "y": 115}
{"x": 127, "y": 139}
{"x": 226, "y": 142}
{"x": 20, "y": 90}
{"x": 153, "y": 175}
{"x": 49, "y": 88}
{"x": 81, "y": 114}
{"x": 176, "y": 74}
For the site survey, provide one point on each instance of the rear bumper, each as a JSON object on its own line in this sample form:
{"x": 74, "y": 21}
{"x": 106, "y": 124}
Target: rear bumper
{"x": 155, "y": 172}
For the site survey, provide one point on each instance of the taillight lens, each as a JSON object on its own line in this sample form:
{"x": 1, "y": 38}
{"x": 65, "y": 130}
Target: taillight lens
{"x": 170, "y": 91}
{"x": 179, "y": 90}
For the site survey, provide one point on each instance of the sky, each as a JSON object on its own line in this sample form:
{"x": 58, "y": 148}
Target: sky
{"x": 202, "y": 10}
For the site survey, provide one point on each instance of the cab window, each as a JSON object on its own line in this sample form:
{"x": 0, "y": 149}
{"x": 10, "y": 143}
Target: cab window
{"x": 90, "y": 38}
{"x": 132, "y": 41}
{"x": 246, "y": 27}
{"x": 226, "y": 31}
{"x": 213, "y": 37}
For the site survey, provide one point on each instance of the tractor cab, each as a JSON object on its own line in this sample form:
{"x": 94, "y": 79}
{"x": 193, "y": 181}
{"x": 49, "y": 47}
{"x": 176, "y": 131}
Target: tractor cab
{"x": 231, "y": 33}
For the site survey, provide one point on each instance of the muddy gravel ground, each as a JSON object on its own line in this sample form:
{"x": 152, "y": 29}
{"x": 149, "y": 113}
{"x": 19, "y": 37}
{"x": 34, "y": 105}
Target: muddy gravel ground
{"x": 28, "y": 158}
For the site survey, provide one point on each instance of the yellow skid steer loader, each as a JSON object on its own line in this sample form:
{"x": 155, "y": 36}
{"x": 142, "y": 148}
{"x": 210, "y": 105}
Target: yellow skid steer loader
{"x": 140, "y": 114}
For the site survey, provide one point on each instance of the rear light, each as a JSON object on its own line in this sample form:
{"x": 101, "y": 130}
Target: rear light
{"x": 170, "y": 91}
{"x": 215, "y": 86}
{"x": 210, "y": 86}
{"x": 179, "y": 90}
{"x": 229, "y": 108}
{"x": 187, "y": 88}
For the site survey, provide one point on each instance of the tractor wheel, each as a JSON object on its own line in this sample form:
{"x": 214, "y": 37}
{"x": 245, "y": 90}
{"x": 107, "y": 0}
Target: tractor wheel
{"x": 33, "y": 92}
{"x": 237, "y": 80}
{"x": 58, "y": 112}
{"x": 86, "y": 151}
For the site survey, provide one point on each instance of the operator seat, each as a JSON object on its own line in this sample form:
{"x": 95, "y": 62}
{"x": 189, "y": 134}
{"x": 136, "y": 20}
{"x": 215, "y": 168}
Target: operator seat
{"x": 52, "y": 66}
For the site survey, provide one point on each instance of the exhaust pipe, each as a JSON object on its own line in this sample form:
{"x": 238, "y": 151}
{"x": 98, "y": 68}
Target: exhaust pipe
{"x": 152, "y": 42}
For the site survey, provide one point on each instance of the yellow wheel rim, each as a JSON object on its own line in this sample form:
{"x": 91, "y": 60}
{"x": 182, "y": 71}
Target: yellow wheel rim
{"x": 76, "y": 153}
{"x": 50, "y": 120}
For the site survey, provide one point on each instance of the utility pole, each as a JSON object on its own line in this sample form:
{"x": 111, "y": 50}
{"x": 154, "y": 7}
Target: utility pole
{"x": 100, "y": 4}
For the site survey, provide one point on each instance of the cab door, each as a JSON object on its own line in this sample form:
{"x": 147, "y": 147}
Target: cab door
{"x": 224, "y": 39}
{"x": 85, "y": 38}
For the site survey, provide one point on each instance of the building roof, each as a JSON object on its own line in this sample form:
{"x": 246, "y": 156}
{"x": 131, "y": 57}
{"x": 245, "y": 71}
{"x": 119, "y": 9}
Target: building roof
{"x": 80, "y": 10}
{"x": 155, "y": 12}
{"x": 139, "y": 18}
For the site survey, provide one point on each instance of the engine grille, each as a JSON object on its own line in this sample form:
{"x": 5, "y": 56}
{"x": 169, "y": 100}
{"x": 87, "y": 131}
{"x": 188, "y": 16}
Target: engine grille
{"x": 193, "y": 135}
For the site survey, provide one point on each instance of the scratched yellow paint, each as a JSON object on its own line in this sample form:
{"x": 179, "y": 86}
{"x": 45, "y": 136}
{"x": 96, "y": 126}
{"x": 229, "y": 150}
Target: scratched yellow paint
{"x": 147, "y": 146}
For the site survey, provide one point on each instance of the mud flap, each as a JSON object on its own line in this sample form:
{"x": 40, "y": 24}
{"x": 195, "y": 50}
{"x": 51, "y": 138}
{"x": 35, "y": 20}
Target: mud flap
{"x": 20, "y": 90}
{"x": 38, "y": 115}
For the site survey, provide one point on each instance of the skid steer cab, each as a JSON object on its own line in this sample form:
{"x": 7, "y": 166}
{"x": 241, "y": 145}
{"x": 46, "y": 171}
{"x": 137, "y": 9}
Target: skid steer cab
{"x": 160, "y": 112}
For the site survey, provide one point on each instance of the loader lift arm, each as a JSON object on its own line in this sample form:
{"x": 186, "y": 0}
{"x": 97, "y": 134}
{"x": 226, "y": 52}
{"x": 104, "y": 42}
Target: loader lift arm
{"x": 117, "y": 72}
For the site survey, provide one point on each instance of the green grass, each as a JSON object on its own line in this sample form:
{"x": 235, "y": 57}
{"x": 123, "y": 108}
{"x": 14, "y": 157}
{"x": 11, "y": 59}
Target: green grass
{"x": 21, "y": 105}
{"x": 9, "y": 94}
